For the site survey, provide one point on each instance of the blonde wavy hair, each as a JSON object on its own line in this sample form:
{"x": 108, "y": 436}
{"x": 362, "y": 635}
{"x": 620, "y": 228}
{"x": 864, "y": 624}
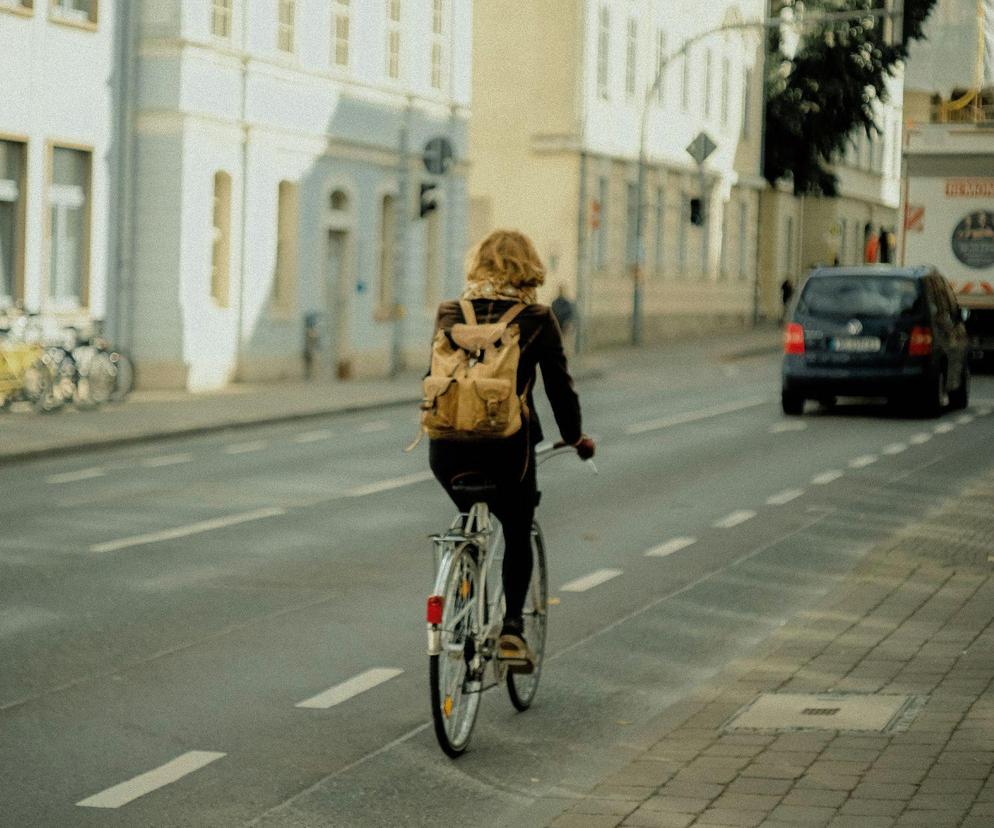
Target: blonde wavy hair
{"x": 505, "y": 263}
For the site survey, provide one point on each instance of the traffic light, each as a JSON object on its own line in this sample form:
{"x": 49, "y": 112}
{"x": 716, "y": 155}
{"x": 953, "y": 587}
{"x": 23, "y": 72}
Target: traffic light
{"x": 427, "y": 201}
{"x": 696, "y": 212}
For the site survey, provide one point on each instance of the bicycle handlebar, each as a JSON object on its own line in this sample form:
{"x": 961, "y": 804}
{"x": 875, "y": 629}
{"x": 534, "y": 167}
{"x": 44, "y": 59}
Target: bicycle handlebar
{"x": 560, "y": 447}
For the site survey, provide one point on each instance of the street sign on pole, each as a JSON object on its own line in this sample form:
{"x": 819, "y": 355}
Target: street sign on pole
{"x": 438, "y": 155}
{"x": 701, "y": 147}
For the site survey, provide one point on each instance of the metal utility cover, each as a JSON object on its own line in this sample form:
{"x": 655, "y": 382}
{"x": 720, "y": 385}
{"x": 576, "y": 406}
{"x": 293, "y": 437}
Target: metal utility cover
{"x": 821, "y": 711}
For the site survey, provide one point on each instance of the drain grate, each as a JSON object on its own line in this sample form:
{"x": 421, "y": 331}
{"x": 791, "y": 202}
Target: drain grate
{"x": 827, "y": 711}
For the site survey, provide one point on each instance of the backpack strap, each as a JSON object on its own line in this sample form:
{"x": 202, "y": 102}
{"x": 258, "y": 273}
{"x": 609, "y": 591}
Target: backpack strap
{"x": 511, "y": 313}
{"x": 469, "y": 315}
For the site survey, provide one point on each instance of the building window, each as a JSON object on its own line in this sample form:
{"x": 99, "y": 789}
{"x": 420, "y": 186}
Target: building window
{"x": 685, "y": 82}
{"x": 68, "y": 200}
{"x": 661, "y": 66}
{"x": 12, "y": 200}
{"x": 631, "y": 55}
{"x": 221, "y": 18}
{"x": 660, "y": 228}
{"x": 340, "y": 33}
{"x": 393, "y": 39}
{"x": 437, "y": 43}
{"x": 284, "y": 25}
{"x": 434, "y": 270}
{"x": 74, "y": 11}
{"x": 221, "y": 241}
{"x": 600, "y": 239}
{"x": 285, "y": 277}
{"x": 726, "y": 85}
{"x": 746, "y": 101}
{"x": 743, "y": 240}
{"x": 17, "y": 6}
{"x": 603, "y": 50}
{"x": 708, "y": 61}
{"x": 388, "y": 229}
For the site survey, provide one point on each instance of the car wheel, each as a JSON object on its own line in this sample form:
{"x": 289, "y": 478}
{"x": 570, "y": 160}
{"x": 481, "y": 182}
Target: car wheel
{"x": 827, "y": 402}
{"x": 792, "y": 403}
{"x": 960, "y": 398}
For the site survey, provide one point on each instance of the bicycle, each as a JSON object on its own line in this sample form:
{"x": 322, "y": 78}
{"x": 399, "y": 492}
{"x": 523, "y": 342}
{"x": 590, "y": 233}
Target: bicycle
{"x": 465, "y": 613}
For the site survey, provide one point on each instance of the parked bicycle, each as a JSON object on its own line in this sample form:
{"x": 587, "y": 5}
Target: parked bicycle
{"x": 465, "y": 613}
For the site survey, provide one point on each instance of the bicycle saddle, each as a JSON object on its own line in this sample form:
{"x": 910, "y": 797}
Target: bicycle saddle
{"x": 474, "y": 483}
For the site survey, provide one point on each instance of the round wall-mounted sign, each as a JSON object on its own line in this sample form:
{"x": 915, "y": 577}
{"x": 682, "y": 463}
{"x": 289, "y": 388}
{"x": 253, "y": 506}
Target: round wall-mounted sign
{"x": 973, "y": 239}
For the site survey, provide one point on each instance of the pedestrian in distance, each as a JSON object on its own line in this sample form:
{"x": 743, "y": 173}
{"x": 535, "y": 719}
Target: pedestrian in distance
{"x": 499, "y": 304}
{"x": 786, "y": 292}
{"x": 564, "y": 309}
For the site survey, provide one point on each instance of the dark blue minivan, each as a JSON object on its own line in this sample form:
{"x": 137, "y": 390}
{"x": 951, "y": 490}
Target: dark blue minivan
{"x": 876, "y": 331}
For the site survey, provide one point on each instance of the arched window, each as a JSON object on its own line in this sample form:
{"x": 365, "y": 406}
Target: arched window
{"x": 285, "y": 279}
{"x": 339, "y": 201}
{"x": 221, "y": 247}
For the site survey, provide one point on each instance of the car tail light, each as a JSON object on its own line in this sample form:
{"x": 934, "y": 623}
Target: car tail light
{"x": 434, "y": 614}
{"x": 920, "y": 343}
{"x": 793, "y": 339}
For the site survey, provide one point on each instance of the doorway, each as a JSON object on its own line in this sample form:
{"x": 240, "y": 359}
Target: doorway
{"x": 338, "y": 293}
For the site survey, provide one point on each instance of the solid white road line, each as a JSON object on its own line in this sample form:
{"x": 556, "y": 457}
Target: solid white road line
{"x": 312, "y": 436}
{"x": 590, "y": 581}
{"x": 245, "y": 448}
{"x": 788, "y": 425}
{"x": 964, "y": 419}
{"x": 73, "y": 477}
{"x": 693, "y": 416}
{"x": 943, "y": 428}
{"x": 387, "y": 485}
{"x": 185, "y": 531}
{"x": 670, "y": 547}
{"x": 167, "y": 460}
{"x": 863, "y": 461}
{"x": 919, "y": 439}
{"x": 370, "y": 428}
{"x": 168, "y": 773}
{"x": 826, "y": 477}
{"x": 895, "y": 448}
{"x": 348, "y": 689}
{"x": 784, "y": 497}
{"x": 734, "y": 519}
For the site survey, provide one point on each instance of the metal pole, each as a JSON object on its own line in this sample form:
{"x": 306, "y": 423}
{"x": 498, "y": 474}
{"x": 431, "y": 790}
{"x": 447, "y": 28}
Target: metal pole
{"x": 581, "y": 259}
{"x": 402, "y": 219}
{"x": 637, "y": 261}
{"x": 705, "y": 224}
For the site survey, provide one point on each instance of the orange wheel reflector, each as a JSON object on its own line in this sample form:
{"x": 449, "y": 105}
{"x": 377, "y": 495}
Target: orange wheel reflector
{"x": 447, "y": 706}
{"x": 464, "y": 588}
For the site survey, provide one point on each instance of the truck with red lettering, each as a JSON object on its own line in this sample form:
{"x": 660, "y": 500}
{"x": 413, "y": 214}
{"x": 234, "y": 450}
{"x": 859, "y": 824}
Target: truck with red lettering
{"x": 948, "y": 209}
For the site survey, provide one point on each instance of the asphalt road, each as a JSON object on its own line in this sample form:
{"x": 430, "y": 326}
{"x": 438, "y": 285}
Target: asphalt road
{"x": 165, "y": 608}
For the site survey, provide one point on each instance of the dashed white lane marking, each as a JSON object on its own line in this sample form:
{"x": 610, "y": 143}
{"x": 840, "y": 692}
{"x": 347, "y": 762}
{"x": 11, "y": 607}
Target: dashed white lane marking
{"x": 788, "y": 425}
{"x": 919, "y": 439}
{"x": 164, "y": 775}
{"x": 734, "y": 519}
{"x": 943, "y": 428}
{"x": 167, "y": 460}
{"x": 245, "y": 448}
{"x": 894, "y": 448}
{"x": 826, "y": 477}
{"x": 73, "y": 477}
{"x": 377, "y": 425}
{"x": 964, "y": 419}
{"x": 347, "y": 689}
{"x": 670, "y": 547}
{"x": 312, "y": 436}
{"x": 387, "y": 485}
{"x": 983, "y": 412}
{"x": 692, "y": 416}
{"x": 185, "y": 531}
{"x": 590, "y": 581}
{"x": 863, "y": 461}
{"x": 784, "y": 497}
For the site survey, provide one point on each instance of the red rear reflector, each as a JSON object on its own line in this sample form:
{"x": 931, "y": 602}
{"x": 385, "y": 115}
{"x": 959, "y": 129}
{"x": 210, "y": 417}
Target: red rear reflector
{"x": 793, "y": 339}
{"x": 921, "y": 341}
{"x": 435, "y": 609}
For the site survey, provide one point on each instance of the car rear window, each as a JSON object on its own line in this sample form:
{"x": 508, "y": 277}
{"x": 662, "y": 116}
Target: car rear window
{"x": 860, "y": 296}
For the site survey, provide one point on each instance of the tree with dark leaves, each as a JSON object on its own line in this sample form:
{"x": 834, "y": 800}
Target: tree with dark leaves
{"x": 818, "y": 99}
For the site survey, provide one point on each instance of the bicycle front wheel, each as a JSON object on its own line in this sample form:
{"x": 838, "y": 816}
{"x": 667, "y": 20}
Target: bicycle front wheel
{"x": 522, "y": 687}
{"x": 455, "y": 691}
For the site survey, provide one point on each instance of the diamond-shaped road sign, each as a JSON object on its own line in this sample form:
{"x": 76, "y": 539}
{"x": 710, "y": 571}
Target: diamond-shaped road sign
{"x": 701, "y": 147}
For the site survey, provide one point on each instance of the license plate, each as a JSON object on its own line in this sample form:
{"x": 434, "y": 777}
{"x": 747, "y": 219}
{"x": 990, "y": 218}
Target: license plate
{"x": 856, "y": 344}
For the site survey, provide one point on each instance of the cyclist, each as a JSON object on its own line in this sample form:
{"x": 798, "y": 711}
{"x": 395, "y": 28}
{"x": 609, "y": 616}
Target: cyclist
{"x": 502, "y": 270}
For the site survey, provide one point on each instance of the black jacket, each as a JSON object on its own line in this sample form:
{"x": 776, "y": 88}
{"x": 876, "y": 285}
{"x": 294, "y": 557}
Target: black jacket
{"x": 541, "y": 345}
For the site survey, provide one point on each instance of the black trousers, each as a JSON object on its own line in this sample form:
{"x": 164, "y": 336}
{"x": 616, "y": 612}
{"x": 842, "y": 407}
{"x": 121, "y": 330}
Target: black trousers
{"x": 510, "y": 464}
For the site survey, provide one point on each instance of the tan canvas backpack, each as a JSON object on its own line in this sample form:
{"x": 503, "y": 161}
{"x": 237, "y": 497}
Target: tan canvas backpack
{"x": 471, "y": 391}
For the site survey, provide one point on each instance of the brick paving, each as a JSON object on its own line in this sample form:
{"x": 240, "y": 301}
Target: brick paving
{"x": 914, "y": 619}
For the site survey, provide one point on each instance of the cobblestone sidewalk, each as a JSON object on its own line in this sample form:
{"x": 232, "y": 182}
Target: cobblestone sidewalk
{"x": 914, "y": 619}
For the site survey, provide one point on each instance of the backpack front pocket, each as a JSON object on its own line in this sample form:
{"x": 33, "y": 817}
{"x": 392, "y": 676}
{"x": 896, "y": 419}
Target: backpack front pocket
{"x": 439, "y": 404}
{"x": 492, "y": 408}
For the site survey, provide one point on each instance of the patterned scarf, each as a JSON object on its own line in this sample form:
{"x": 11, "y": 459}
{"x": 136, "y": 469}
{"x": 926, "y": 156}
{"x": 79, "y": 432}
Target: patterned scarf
{"x": 489, "y": 289}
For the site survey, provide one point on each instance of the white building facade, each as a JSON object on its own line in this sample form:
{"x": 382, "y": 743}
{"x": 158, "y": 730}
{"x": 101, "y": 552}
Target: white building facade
{"x": 58, "y": 148}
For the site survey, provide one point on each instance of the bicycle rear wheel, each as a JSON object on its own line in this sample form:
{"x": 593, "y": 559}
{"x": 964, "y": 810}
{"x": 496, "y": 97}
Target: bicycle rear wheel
{"x": 454, "y": 705}
{"x": 522, "y": 687}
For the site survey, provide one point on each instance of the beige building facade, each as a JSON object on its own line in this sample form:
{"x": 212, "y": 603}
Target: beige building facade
{"x": 559, "y": 94}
